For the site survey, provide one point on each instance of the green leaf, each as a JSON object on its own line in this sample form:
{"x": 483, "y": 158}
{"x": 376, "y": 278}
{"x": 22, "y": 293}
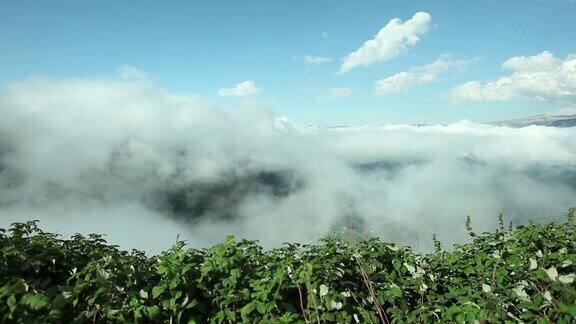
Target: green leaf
{"x": 247, "y": 309}
{"x": 60, "y": 301}
{"x": 36, "y": 301}
{"x": 55, "y": 314}
{"x": 158, "y": 290}
{"x": 12, "y": 303}
{"x": 192, "y": 303}
{"x": 20, "y": 287}
{"x": 153, "y": 312}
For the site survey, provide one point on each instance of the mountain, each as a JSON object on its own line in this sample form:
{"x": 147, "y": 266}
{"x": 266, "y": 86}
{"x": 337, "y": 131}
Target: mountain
{"x": 549, "y": 120}
{"x": 540, "y": 120}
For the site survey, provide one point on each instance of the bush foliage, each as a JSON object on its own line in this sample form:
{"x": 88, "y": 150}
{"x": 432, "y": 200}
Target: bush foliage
{"x": 510, "y": 275}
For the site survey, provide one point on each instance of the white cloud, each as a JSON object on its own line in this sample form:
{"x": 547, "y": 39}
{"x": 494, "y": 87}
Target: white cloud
{"x": 121, "y": 157}
{"x": 335, "y": 93}
{"x": 544, "y": 61}
{"x": 541, "y": 77}
{"x": 242, "y": 89}
{"x": 392, "y": 40}
{"x": 315, "y": 60}
{"x": 403, "y": 81}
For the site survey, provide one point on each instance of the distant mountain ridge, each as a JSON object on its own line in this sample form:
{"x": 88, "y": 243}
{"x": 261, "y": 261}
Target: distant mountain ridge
{"x": 540, "y": 120}
{"x": 548, "y": 120}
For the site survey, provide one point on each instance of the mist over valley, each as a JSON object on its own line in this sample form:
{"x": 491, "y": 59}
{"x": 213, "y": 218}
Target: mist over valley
{"x": 141, "y": 164}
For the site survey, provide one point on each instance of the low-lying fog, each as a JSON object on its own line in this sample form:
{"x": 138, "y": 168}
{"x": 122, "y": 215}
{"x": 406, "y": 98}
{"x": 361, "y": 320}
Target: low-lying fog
{"x": 121, "y": 156}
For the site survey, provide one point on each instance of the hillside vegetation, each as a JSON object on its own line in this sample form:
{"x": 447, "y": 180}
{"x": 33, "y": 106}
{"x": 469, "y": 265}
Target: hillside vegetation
{"x": 526, "y": 273}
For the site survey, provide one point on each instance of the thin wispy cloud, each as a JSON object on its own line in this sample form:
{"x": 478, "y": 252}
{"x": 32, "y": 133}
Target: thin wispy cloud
{"x": 315, "y": 60}
{"x": 336, "y": 93}
{"x": 418, "y": 75}
{"x": 241, "y": 89}
{"x": 392, "y": 40}
{"x": 129, "y": 72}
{"x": 541, "y": 77}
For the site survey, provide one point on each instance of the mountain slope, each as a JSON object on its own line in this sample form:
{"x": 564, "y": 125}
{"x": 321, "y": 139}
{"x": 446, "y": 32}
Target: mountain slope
{"x": 540, "y": 120}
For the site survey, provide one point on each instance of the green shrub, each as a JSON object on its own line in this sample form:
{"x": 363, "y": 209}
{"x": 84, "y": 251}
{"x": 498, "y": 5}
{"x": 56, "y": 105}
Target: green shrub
{"x": 511, "y": 275}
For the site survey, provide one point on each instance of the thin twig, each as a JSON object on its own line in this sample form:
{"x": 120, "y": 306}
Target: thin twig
{"x": 315, "y": 306}
{"x": 375, "y": 299}
{"x": 301, "y": 301}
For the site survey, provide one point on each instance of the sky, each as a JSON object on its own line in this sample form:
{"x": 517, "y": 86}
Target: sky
{"x": 315, "y": 62}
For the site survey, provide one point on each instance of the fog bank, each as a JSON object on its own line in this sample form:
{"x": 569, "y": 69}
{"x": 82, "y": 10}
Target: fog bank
{"x": 120, "y": 156}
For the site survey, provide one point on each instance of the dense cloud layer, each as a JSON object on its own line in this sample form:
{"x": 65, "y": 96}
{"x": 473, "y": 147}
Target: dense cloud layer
{"x": 121, "y": 156}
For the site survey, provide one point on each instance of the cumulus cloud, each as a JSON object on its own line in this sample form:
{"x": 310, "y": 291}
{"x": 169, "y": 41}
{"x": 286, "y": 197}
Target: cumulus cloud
{"x": 124, "y": 157}
{"x": 541, "y": 77}
{"x": 392, "y": 40}
{"x": 335, "y": 93}
{"x": 544, "y": 61}
{"x": 241, "y": 89}
{"x": 315, "y": 60}
{"x": 418, "y": 75}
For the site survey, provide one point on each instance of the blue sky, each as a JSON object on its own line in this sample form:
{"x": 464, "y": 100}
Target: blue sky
{"x": 200, "y": 47}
